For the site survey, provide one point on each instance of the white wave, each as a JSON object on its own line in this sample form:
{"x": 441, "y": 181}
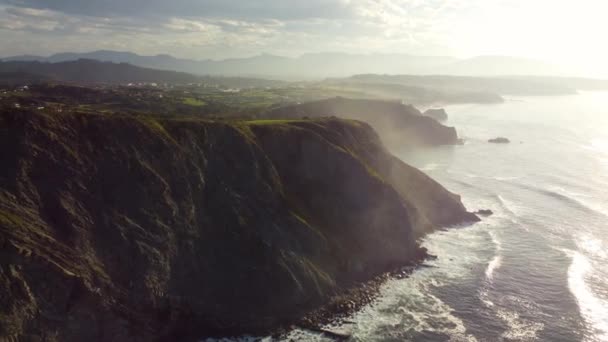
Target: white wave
{"x": 519, "y": 329}
{"x": 594, "y": 205}
{"x": 584, "y": 199}
{"x": 418, "y": 311}
{"x": 303, "y": 335}
{"x": 505, "y": 178}
{"x": 429, "y": 167}
{"x": 592, "y": 246}
{"x": 293, "y": 335}
{"x": 593, "y": 309}
{"x": 408, "y": 306}
{"x": 509, "y": 206}
{"x": 497, "y": 260}
{"x": 495, "y": 240}
{"x": 493, "y": 265}
{"x": 484, "y": 296}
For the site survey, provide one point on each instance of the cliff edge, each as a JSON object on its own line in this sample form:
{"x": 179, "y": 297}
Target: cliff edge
{"x": 399, "y": 125}
{"x": 118, "y": 228}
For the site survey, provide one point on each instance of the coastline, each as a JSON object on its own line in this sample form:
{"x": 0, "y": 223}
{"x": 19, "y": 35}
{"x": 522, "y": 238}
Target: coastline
{"x": 338, "y": 309}
{"x": 324, "y": 216}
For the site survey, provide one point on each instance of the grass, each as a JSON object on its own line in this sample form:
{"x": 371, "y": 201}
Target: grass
{"x": 191, "y": 101}
{"x": 154, "y": 125}
{"x": 10, "y": 220}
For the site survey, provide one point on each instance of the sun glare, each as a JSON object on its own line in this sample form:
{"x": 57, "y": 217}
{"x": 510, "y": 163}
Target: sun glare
{"x": 565, "y": 32}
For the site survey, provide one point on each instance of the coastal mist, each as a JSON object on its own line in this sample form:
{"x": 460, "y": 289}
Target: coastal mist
{"x": 538, "y": 268}
{"x": 320, "y": 170}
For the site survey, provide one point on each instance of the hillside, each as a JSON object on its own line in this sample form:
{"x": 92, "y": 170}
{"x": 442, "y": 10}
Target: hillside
{"x": 141, "y": 229}
{"x": 398, "y": 124}
{"x": 89, "y": 71}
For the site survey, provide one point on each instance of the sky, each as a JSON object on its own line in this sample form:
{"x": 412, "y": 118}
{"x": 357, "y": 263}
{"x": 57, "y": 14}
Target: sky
{"x": 566, "y": 32}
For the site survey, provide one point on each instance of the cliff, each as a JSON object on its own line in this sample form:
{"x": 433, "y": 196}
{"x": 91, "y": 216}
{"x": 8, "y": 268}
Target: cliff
{"x": 438, "y": 114}
{"x": 398, "y": 124}
{"x": 139, "y": 229}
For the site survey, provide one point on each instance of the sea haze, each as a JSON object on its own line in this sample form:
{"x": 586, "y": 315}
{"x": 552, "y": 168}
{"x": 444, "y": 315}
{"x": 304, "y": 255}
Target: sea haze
{"x": 535, "y": 270}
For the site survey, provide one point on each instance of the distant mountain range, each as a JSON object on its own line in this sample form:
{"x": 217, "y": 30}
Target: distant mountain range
{"x": 320, "y": 65}
{"x": 95, "y": 71}
{"x": 417, "y": 89}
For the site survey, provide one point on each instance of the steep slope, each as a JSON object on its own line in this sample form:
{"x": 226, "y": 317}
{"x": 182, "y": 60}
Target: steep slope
{"x": 91, "y": 71}
{"x": 398, "y": 124}
{"x": 141, "y": 229}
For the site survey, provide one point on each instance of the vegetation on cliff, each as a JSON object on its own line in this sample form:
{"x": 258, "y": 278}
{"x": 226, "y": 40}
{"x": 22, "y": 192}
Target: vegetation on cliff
{"x": 117, "y": 228}
{"x": 397, "y": 124}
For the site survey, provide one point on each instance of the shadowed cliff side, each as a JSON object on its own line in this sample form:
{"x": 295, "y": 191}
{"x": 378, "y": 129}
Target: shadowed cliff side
{"x": 398, "y": 124}
{"x": 140, "y": 229}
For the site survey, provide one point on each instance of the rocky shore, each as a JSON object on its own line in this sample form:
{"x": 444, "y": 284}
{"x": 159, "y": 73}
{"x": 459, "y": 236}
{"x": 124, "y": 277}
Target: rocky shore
{"x": 116, "y": 228}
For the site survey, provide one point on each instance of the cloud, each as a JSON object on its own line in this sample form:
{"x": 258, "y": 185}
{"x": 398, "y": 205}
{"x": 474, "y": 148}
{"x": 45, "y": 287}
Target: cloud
{"x": 260, "y": 9}
{"x": 233, "y": 27}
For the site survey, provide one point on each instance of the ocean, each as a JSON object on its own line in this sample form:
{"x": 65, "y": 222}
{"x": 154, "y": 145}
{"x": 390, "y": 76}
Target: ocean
{"x": 536, "y": 270}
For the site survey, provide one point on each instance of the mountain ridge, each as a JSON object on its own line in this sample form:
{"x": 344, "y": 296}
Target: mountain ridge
{"x": 95, "y": 71}
{"x": 316, "y": 65}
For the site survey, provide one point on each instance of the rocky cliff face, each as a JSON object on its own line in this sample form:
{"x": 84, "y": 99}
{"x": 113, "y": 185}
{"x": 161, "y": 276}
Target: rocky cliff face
{"x": 138, "y": 229}
{"x": 398, "y": 124}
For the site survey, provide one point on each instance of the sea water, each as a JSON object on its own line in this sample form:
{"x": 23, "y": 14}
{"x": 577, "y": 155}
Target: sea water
{"x": 537, "y": 270}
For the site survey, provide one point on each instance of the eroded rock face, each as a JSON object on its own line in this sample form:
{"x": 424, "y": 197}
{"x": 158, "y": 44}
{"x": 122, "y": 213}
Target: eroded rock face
{"x": 125, "y": 229}
{"x": 398, "y": 124}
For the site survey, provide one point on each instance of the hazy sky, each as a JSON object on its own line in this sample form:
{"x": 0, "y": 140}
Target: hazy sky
{"x": 563, "y": 31}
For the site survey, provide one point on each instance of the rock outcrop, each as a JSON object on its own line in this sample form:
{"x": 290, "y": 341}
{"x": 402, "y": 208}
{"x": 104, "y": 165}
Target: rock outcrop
{"x": 139, "y": 229}
{"x": 398, "y": 124}
{"x": 484, "y": 212}
{"x": 438, "y": 114}
{"x": 499, "y": 140}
